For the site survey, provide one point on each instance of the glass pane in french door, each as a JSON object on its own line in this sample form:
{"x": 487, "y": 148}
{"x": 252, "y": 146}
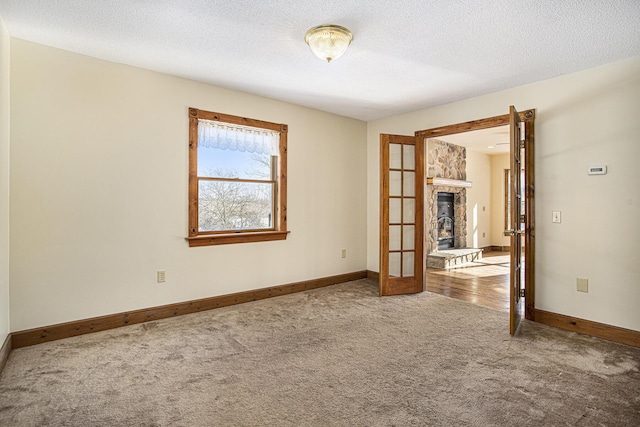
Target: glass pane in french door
{"x": 408, "y": 237}
{"x": 395, "y": 183}
{"x": 395, "y": 210}
{"x": 407, "y": 264}
{"x": 408, "y": 210}
{"x": 395, "y": 265}
{"x": 395, "y": 156}
{"x": 395, "y": 238}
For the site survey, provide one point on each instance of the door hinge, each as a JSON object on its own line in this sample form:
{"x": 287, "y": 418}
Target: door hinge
{"x": 522, "y": 293}
{"x": 522, "y": 219}
{"x": 508, "y": 233}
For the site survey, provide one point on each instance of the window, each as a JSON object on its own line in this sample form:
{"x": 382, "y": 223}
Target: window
{"x": 237, "y": 179}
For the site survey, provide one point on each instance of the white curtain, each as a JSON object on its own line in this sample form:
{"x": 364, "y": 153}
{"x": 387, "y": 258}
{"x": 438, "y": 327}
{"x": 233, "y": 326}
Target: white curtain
{"x": 225, "y": 136}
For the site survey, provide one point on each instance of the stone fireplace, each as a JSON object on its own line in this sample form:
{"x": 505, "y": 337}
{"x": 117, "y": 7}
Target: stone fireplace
{"x": 446, "y": 175}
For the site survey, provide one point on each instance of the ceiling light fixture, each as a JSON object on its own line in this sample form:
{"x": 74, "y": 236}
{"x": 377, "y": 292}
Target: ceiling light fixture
{"x": 328, "y": 42}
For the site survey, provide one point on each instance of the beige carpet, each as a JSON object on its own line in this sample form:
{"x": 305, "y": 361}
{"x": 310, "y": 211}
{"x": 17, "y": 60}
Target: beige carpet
{"x": 337, "y": 356}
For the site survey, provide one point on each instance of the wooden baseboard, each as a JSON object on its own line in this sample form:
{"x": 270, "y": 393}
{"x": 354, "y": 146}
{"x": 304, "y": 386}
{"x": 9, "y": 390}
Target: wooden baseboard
{"x": 4, "y": 352}
{"x": 587, "y": 327}
{"x": 373, "y": 275}
{"x": 103, "y": 323}
{"x": 497, "y": 248}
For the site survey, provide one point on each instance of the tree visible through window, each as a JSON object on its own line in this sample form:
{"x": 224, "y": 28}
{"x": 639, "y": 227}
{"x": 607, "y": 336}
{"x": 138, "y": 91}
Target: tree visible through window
{"x": 237, "y": 179}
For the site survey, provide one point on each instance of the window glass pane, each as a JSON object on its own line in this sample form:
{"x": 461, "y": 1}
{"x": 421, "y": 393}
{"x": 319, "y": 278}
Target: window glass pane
{"x": 407, "y": 264}
{"x": 408, "y": 239}
{"x": 409, "y": 154}
{"x": 395, "y": 183}
{"x": 394, "y": 264}
{"x": 409, "y": 184}
{"x": 214, "y": 162}
{"x": 395, "y": 211}
{"x": 229, "y": 205}
{"x": 394, "y": 237}
{"x": 409, "y": 210}
{"x": 395, "y": 156}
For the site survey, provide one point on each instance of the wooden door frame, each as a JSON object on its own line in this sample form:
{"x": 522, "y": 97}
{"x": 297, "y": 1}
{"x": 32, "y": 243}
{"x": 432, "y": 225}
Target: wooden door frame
{"x": 528, "y": 117}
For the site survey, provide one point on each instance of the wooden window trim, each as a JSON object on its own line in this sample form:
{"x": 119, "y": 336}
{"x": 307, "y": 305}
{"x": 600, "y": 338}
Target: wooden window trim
{"x": 197, "y": 238}
{"x": 244, "y": 237}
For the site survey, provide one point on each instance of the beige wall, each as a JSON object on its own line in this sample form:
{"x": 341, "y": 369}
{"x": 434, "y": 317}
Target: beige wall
{"x": 479, "y": 206}
{"x": 99, "y": 191}
{"x": 99, "y": 188}
{"x": 4, "y": 182}
{"x": 584, "y": 119}
{"x": 499, "y": 163}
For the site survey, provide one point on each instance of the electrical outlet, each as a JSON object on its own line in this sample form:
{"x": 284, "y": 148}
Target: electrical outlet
{"x": 483, "y": 235}
{"x": 582, "y": 285}
{"x": 343, "y": 253}
{"x": 161, "y": 276}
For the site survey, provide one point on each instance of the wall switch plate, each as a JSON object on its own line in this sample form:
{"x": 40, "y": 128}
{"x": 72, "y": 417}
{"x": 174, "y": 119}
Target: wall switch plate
{"x": 556, "y": 217}
{"x": 582, "y": 284}
{"x": 343, "y": 253}
{"x": 161, "y": 276}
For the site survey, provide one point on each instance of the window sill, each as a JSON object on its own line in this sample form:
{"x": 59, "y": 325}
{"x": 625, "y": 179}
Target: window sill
{"x": 227, "y": 239}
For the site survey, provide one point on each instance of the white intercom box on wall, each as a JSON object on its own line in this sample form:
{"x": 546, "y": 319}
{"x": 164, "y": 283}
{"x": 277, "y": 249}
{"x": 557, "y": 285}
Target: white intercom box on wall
{"x": 597, "y": 170}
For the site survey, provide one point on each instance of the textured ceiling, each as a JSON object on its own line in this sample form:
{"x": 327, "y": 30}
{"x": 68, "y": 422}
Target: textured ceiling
{"x": 406, "y": 55}
{"x": 480, "y": 140}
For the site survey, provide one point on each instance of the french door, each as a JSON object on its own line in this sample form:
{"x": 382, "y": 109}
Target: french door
{"x": 401, "y": 214}
{"x": 516, "y": 220}
{"x": 402, "y": 179}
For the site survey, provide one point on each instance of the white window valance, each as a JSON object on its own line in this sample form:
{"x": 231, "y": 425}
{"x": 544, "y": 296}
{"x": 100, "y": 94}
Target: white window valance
{"x": 225, "y": 136}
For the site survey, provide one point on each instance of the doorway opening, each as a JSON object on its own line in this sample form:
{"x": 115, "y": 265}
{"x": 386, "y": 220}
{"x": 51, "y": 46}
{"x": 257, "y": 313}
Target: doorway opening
{"x": 409, "y": 230}
{"x": 482, "y": 278}
{"x": 520, "y": 146}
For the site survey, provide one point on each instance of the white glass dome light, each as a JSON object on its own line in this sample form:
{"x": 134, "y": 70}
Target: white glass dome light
{"x": 328, "y": 42}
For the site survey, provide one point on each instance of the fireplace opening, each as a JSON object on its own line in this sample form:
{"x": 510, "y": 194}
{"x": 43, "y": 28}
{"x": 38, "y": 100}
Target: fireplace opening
{"x": 446, "y": 224}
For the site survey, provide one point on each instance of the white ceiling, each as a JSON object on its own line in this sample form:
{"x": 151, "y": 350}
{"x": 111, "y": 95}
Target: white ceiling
{"x": 480, "y": 140}
{"x": 406, "y": 55}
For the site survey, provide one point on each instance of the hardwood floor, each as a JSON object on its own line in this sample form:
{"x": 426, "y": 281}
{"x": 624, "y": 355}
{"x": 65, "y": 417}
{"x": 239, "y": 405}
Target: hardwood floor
{"x": 485, "y": 282}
